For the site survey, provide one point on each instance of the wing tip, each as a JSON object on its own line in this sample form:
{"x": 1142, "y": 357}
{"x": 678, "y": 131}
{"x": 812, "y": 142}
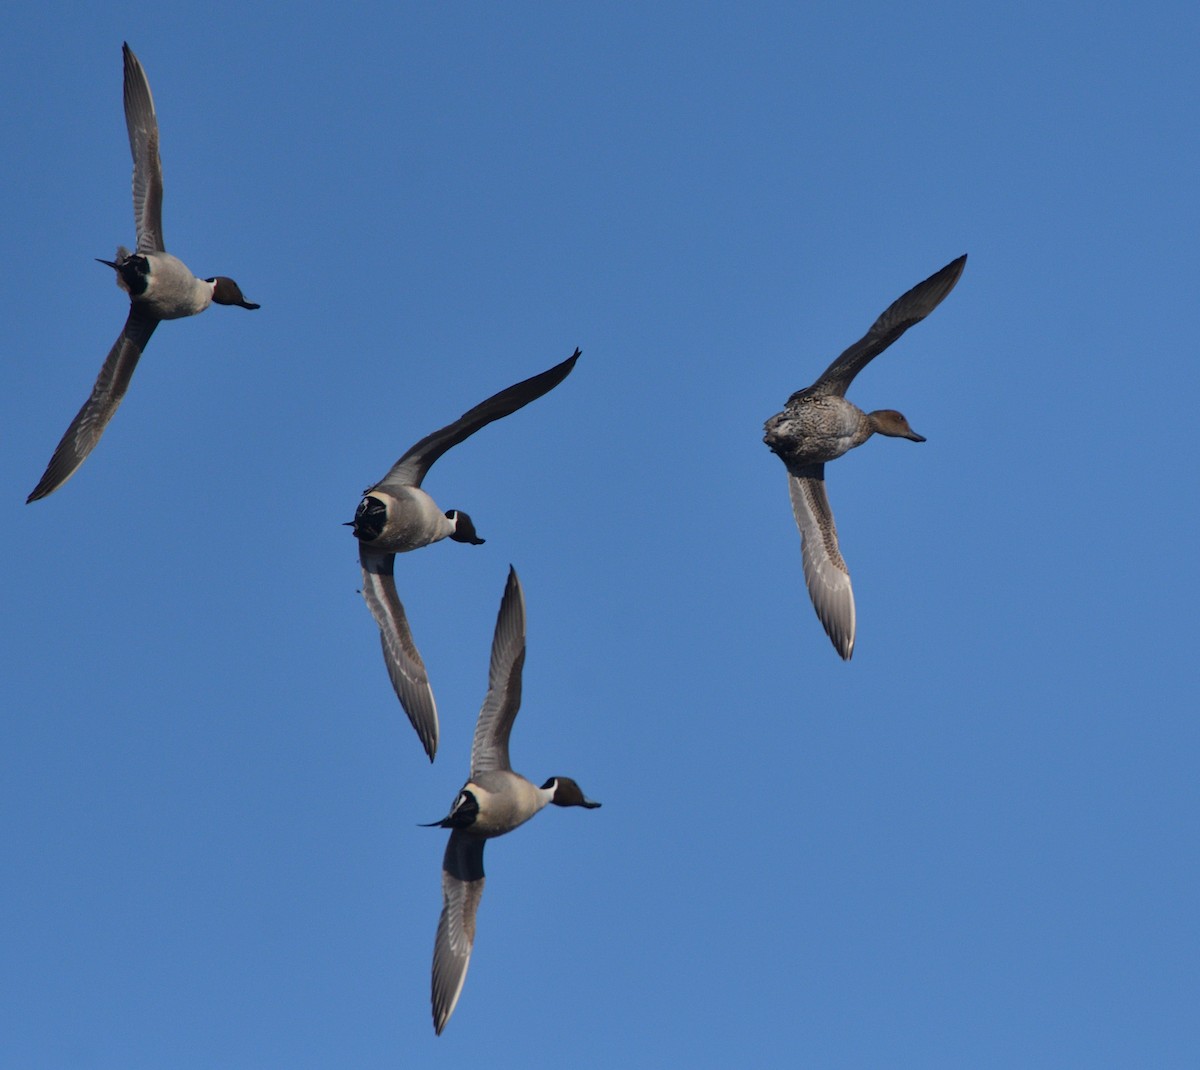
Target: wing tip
{"x": 955, "y": 269}
{"x": 555, "y": 375}
{"x": 424, "y": 720}
{"x": 53, "y": 479}
{"x": 41, "y": 490}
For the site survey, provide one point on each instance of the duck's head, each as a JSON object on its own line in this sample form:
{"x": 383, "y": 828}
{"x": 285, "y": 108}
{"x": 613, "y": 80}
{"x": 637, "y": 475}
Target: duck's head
{"x": 568, "y": 793}
{"x": 464, "y": 529}
{"x": 890, "y": 422}
{"x": 227, "y": 292}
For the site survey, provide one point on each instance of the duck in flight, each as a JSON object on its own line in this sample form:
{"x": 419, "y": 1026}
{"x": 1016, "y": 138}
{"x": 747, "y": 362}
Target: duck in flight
{"x": 396, "y": 515}
{"x": 494, "y": 800}
{"x": 160, "y": 287}
{"x": 818, "y": 425}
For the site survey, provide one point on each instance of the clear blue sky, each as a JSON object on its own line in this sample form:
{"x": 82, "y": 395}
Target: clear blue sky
{"x": 975, "y": 845}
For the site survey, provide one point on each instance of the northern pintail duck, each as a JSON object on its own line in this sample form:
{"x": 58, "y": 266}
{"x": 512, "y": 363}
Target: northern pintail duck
{"x": 495, "y": 800}
{"x": 818, "y": 424}
{"x": 160, "y": 287}
{"x": 396, "y": 515}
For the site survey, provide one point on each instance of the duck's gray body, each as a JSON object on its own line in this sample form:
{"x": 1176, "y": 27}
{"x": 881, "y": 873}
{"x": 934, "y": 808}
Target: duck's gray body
{"x": 411, "y": 519}
{"x": 818, "y": 425}
{"x": 494, "y": 801}
{"x": 506, "y": 800}
{"x": 396, "y": 516}
{"x": 169, "y": 290}
{"x": 160, "y": 287}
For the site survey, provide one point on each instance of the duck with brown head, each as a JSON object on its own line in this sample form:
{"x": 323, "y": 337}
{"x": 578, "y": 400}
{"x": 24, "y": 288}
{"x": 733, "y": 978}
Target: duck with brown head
{"x": 818, "y": 425}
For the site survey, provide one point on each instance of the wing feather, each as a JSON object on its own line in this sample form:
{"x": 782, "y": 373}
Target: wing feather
{"x": 91, "y": 420}
{"x": 489, "y": 749}
{"x": 410, "y": 470}
{"x": 825, "y": 571}
{"x": 400, "y": 654}
{"x": 462, "y": 889}
{"x": 142, "y": 125}
{"x": 906, "y": 310}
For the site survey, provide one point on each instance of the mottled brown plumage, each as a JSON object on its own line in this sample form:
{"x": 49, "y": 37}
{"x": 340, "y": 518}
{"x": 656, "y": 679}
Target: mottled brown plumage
{"x": 818, "y": 425}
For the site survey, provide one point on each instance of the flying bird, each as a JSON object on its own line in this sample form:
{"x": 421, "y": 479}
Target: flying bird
{"x": 495, "y": 800}
{"x": 396, "y": 515}
{"x": 818, "y": 425}
{"x": 160, "y": 287}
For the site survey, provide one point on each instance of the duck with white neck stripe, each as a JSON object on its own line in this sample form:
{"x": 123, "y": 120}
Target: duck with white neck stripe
{"x": 159, "y": 285}
{"x": 494, "y": 801}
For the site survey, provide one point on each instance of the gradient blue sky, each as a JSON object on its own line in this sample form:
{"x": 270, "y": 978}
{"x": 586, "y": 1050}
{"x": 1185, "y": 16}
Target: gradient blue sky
{"x": 974, "y": 845}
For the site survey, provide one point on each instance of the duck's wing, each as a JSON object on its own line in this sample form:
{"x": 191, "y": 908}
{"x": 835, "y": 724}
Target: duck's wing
{"x": 462, "y": 888}
{"x": 489, "y": 749}
{"x": 825, "y": 571}
{"x": 901, "y": 314}
{"x": 410, "y": 470}
{"x": 89, "y": 423}
{"x": 404, "y": 664}
{"x": 142, "y": 125}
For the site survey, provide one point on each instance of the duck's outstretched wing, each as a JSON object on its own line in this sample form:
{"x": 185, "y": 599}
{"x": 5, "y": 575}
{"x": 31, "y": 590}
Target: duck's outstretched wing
{"x": 142, "y": 125}
{"x": 825, "y": 571}
{"x": 89, "y": 423}
{"x": 489, "y": 749}
{"x": 901, "y": 314}
{"x": 462, "y": 888}
{"x": 400, "y": 654}
{"x": 410, "y": 470}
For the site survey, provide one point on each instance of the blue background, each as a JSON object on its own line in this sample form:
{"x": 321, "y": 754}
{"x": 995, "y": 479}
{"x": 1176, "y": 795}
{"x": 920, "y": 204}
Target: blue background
{"x": 974, "y": 845}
